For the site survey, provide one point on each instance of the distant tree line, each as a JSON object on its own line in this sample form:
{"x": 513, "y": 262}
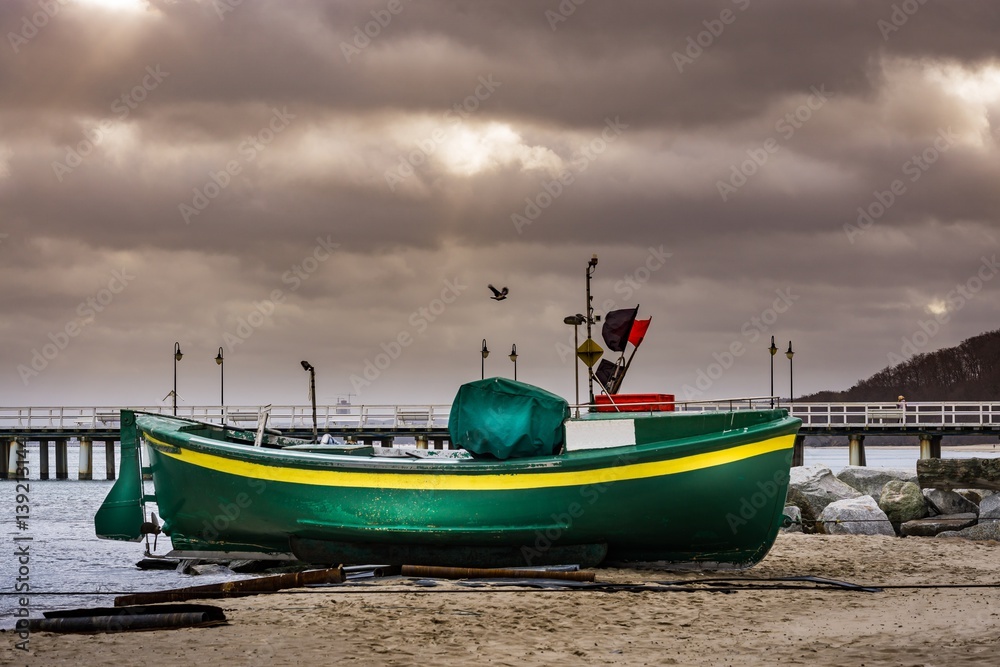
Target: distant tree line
{"x": 969, "y": 371}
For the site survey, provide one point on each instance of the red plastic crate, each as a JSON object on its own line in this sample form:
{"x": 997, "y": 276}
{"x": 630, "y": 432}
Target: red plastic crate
{"x": 635, "y": 403}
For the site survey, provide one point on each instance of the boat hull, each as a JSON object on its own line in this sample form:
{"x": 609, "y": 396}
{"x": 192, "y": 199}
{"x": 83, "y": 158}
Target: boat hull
{"x": 688, "y": 491}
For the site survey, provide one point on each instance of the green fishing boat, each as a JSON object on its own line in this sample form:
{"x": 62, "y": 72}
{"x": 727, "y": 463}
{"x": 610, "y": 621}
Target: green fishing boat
{"x": 530, "y": 486}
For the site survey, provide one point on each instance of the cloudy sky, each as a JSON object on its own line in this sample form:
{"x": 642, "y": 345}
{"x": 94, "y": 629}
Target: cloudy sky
{"x": 339, "y": 181}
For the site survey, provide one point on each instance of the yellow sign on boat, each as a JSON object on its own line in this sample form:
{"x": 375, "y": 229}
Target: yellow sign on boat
{"x": 589, "y": 352}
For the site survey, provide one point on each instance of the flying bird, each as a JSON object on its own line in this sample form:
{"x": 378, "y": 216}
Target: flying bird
{"x": 498, "y": 295}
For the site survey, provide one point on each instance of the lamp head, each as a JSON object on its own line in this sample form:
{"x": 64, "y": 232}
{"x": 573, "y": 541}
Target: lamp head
{"x": 593, "y": 261}
{"x": 177, "y": 352}
{"x": 513, "y": 353}
{"x": 306, "y": 366}
{"x": 485, "y": 351}
{"x": 219, "y": 358}
{"x": 789, "y": 353}
{"x": 774, "y": 348}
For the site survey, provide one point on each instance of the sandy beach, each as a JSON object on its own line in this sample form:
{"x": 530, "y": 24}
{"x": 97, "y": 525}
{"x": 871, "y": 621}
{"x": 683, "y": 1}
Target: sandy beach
{"x": 393, "y": 621}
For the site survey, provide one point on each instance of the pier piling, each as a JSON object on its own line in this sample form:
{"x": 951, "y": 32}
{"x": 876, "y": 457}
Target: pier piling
{"x": 86, "y": 459}
{"x": 62, "y": 458}
{"x": 857, "y": 450}
{"x": 930, "y": 446}
{"x": 109, "y": 458}
{"x": 17, "y": 455}
{"x": 798, "y": 450}
{"x": 421, "y": 442}
{"x": 43, "y": 459}
{"x": 4, "y": 456}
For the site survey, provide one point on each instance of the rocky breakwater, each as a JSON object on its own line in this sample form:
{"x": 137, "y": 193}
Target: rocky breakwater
{"x": 877, "y": 501}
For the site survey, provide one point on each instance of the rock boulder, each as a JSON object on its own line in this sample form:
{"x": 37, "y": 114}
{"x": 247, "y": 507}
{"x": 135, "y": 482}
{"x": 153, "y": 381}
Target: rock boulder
{"x": 949, "y": 502}
{"x": 902, "y": 502}
{"x": 855, "y": 516}
{"x": 870, "y": 481}
{"x": 812, "y": 488}
{"x": 936, "y": 525}
{"x": 989, "y": 509}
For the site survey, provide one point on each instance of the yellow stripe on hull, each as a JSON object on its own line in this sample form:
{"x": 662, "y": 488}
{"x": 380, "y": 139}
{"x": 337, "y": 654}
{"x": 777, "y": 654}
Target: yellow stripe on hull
{"x": 452, "y": 481}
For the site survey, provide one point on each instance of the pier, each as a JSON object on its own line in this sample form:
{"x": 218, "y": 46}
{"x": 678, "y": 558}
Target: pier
{"x": 94, "y": 428}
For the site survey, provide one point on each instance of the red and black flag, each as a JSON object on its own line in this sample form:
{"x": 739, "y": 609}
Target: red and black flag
{"x": 638, "y": 332}
{"x": 617, "y": 327}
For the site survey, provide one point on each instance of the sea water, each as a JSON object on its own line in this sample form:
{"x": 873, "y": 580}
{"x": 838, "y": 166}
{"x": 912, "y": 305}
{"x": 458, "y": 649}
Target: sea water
{"x": 69, "y": 567}
{"x": 66, "y": 565}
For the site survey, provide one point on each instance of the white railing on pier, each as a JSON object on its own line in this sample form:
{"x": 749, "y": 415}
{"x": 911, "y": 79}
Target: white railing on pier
{"x": 832, "y": 416}
{"x": 959, "y": 414}
{"x": 282, "y": 417}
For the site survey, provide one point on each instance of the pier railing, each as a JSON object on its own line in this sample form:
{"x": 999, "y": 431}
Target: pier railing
{"x": 829, "y": 416}
{"x": 847, "y": 416}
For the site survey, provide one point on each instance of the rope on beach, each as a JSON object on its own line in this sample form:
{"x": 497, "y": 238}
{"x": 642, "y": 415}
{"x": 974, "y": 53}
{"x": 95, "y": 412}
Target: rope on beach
{"x": 788, "y": 522}
{"x": 555, "y": 586}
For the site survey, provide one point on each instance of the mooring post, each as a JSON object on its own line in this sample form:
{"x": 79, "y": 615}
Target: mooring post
{"x": 798, "y": 450}
{"x": 43, "y": 459}
{"x": 857, "y": 449}
{"x": 109, "y": 458}
{"x": 4, "y": 454}
{"x": 17, "y": 460}
{"x": 62, "y": 458}
{"x": 930, "y": 446}
{"x": 86, "y": 462}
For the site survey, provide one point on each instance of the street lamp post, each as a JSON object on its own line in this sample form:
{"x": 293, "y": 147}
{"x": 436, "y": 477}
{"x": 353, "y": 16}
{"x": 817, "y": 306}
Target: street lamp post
{"x": 485, "y": 352}
{"x": 177, "y": 357}
{"x": 575, "y": 321}
{"x": 219, "y": 359}
{"x": 591, "y": 266}
{"x": 772, "y": 350}
{"x": 312, "y": 394}
{"x": 513, "y": 357}
{"x": 791, "y": 375}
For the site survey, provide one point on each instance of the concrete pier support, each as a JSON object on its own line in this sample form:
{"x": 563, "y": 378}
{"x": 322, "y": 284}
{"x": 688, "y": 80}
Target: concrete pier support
{"x": 856, "y": 448}
{"x": 17, "y": 460}
{"x": 43, "y": 459}
{"x": 62, "y": 458}
{"x": 109, "y": 458}
{"x": 421, "y": 442}
{"x": 930, "y": 446}
{"x": 4, "y": 454}
{"x": 86, "y": 462}
{"x": 798, "y": 451}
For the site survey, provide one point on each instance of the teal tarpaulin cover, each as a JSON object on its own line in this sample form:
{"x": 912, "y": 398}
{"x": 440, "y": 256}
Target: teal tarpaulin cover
{"x": 507, "y": 419}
